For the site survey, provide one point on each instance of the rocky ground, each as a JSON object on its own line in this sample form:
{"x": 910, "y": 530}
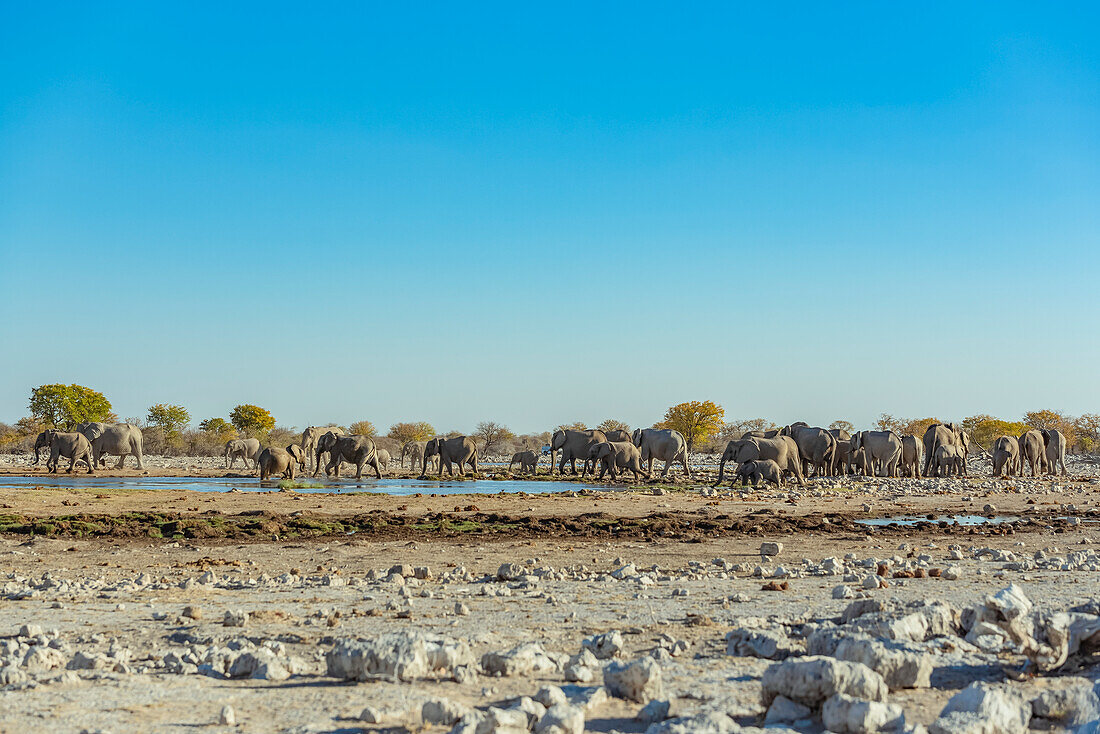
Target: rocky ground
{"x": 662, "y": 609}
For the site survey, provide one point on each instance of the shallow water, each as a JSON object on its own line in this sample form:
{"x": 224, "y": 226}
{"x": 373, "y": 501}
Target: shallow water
{"x": 959, "y": 519}
{"x": 253, "y": 484}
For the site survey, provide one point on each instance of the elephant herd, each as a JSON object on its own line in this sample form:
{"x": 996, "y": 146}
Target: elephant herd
{"x": 800, "y": 450}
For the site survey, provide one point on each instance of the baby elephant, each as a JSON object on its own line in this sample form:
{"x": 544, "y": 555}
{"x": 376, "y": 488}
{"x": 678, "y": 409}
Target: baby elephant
{"x": 72, "y": 446}
{"x": 765, "y": 469}
{"x": 276, "y": 461}
{"x": 948, "y": 459}
{"x": 528, "y": 462}
{"x": 615, "y": 455}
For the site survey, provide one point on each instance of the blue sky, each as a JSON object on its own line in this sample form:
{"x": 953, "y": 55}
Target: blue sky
{"x": 546, "y": 213}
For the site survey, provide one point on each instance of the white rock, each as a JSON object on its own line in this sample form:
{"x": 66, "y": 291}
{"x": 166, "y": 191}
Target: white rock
{"x": 983, "y": 708}
{"x": 237, "y": 618}
{"x": 561, "y": 718}
{"x": 605, "y": 646}
{"x": 811, "y": 680}
{"x": 771, "y": 549}
{"x": 785, "y": 711}
{"x": 655, "y": 710}
{"x": 1074, "y": 705}
{"x": 847, "y": 715}
{"x": 523, "y": 659}
{"x": 899, "y": 667}
{"x": 442, "y": 711}
{"x": 406, "y": 656}
{"x": 370, "y": 715}
{"x": 227, "y": 717}
{"x": 638, "y": 681}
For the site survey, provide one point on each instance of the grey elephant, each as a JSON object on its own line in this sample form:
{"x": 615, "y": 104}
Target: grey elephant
{"x": 414, "y": 450}
{"x": 310, "y": 437}
{"x": 816, "y": 446}
{"x": 770, "y": 433}
{"x": 617, "y": 434}
{"x": 944, "y": 434}
{"x": 70, "y": 445}
{"x": 573, "y": 445}
{"x": 274, "y": 460}
{"x": 763, "y": 469}
{"x": 1006, "y": 456}
{"x": 357, "y": 450}
{"x": 299, "y": 456}
{"x": 613, "y": 457}
{"x": 842, "y": 456}
{"x": 910, "y": 456}
{"x": 461, "y": 450}
{"x": 666, "y": 444}
{"x": 528, "y": 462}
{"x": 949, "y": 460}
{"x": 384, "y": 460}
{"x": 1033, "y": 452}
{"x": 246, "y": 449}
{"x": 116, "y": 439}
{"x": 881, "y": 451}
{"x": 781, "y": 449}
{"x": 1055, "y": 450}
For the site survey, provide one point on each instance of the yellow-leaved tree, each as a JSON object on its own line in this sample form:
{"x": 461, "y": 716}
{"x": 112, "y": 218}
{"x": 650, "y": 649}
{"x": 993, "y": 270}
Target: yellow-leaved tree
{"x": 698, "y": 420}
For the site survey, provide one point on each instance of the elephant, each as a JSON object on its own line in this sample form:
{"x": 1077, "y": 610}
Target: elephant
{"x": 1006, "y": 456}
{"x": 573, "y": 445}
{"x": 612, "y": 456}
{"x": 461, "y": 450}
{"x": 118, "y": 439}
{"x": 73, "y": 446}
{"x": 299, "y": 456}
{"x": 616, "y": 435}
{"x": 781, "y": 449}
{"x": 816, "y": 446}
{"x": 1055, "y": 450}
{"x": 384, "y": 460}
{"x": 274, "y": 460}
{"x": 357, "y": 450}
{"x": 881, "y": 451}
{"x": 666, "y": 444}
{"x": 310, "y": 436}
{"x": 949, "y": 459}
{"x": 245, "y": 449}
{"x": 910, "y": 456}
{"x": 528, "y": 461}
{"x": 414, "y": 450}
{"x": 771, "y": 433}
{"x": 1033, "y": 452}
{"x": 765, "y": 469}
{"x": 842, "y": 458}
{"x": 950, "y": 434}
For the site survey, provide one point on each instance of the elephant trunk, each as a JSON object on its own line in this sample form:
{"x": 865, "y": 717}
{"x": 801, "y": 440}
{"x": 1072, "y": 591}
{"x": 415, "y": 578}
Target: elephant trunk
{"x": 721, "y": 470}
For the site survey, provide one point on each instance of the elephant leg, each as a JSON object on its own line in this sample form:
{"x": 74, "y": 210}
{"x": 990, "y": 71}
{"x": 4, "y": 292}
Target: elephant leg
{"x": 88, "y": 461}
{"x": 121, "y": 461}
{"x": 668, "y": 463}
{"x": 684, "y": 460}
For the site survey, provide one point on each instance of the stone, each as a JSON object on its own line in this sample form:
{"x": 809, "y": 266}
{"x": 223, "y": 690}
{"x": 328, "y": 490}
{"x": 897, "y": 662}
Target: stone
{"x": 581, "y": 668}
{"x": 843, "y": 592}
{"x": 550, "y": 696}
{"x": 461, "y": 609}
{"x": 262, "y": 664}
{"x": 771, "y": 549}
{"x": 983, "y": 708}
{"x": 810, "y": 680}
{"x": 442, "y": 711}
{"x": 1072, "y": 706}
{"x": 12, "y": 676}
{"x": 192, "y": 611}
{"x": 847, "y": 715}
{"x": 638, "y": 681}
{"x": 561, "y": 718}
{"x": 898, "y": 666}
{"x": 30, "y": 630}
{"x": 237, "y": 618}
{"x": 770, "y": 644}
{"x": 952, "y": 573}
{"x": 523, "y": 659}
{"x": 370, "y": 715}
{"x": 532, "y": 708}
{"x": 227, "y": 717}
{"x": 711, "y": 722}
{"x": 655, "y": 710}
{"x": 605, "y": 646}
{"x": 785, "y": 711}
{"x": 510, "y": 572}
{"x": 406, "y": 656}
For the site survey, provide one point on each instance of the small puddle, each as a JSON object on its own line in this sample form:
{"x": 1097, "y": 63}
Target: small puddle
{"x": 910, "y": 520}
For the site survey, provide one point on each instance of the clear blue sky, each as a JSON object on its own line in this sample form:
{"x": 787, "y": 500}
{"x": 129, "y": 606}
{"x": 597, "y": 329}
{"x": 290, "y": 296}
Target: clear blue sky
{"x": 541, "y": 213}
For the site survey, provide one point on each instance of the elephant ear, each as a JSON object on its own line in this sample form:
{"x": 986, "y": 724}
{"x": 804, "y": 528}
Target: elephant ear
{"x": 93, "y": 431}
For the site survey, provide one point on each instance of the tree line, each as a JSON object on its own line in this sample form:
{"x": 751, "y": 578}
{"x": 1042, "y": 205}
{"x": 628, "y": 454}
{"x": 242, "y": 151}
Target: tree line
{"x": 167, "y": 427}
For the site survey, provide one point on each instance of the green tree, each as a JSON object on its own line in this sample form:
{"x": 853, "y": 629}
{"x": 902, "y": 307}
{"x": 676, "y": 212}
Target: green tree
{"x": 362, "y": 428}
{"x": 578, "y": 426}
{"x": 887, "y": 422}
{"x": 613, "y": 425}
{"x": 63, "y": 406}
{"x": 698, "y": 420}
{"x": 405, "y": 432}
{"x": 492, "y": 434}
{"x": 842, "y": 426}
{"x": 1088, "y": 430}
{"x": 252, "y": 419}
{"x": 985, "y": 429}
{"x": 218, "y": 429}
{"x": 172, "y": 419}
{"x": 917, "y": 426}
